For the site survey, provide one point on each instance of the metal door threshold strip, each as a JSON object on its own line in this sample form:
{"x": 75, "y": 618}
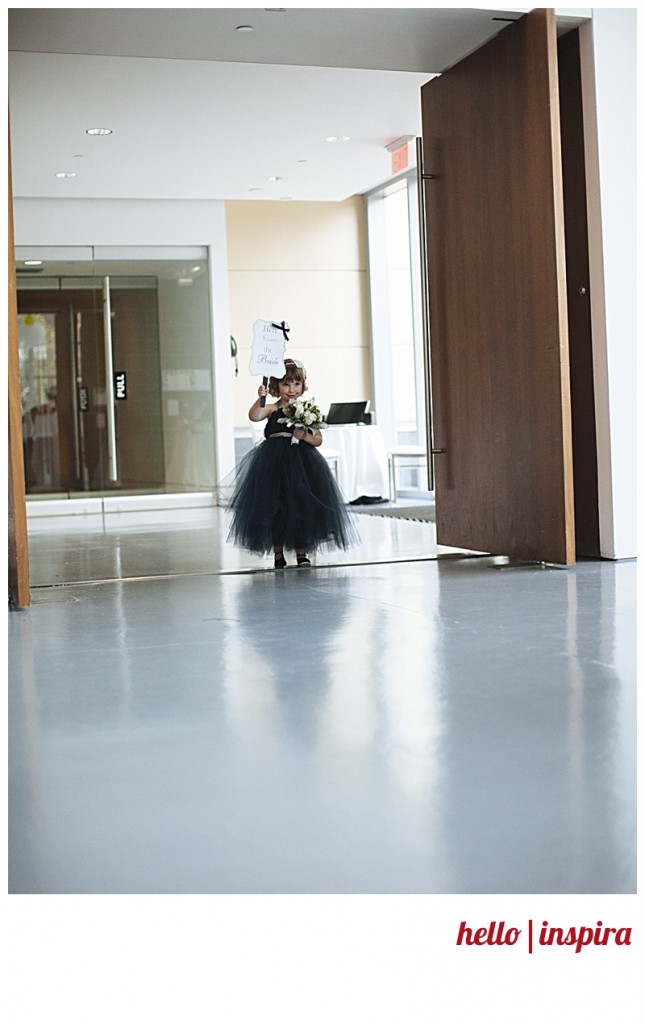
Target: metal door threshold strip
{"x": 249, "y": 572}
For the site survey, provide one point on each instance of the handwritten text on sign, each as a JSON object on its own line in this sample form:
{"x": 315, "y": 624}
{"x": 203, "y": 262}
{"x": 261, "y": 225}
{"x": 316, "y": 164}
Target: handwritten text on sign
{"x": 267, "y": 353}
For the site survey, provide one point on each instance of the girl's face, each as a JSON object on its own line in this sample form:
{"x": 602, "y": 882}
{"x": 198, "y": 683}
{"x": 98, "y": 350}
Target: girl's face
{"x": 290, "y": 389}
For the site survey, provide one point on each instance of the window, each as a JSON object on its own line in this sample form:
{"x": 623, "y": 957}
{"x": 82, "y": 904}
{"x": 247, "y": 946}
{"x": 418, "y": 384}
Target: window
{"x": 397, "y": 337}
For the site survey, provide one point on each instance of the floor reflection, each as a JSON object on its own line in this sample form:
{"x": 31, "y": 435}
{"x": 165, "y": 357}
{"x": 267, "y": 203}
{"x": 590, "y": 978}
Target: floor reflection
{"x": 432, "y": 725}
{"x": 130, "y": 545}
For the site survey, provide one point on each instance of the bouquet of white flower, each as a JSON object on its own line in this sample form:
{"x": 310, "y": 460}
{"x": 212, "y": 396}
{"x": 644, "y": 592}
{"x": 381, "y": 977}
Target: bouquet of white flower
{"x": 303, "y": 412}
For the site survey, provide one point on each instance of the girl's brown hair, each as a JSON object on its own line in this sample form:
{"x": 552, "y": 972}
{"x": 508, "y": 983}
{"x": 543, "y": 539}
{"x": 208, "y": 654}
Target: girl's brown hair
{"x": 292, "y": 372}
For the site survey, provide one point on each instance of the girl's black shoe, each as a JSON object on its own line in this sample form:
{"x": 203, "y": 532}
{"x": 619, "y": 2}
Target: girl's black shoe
{"x": 279, "y": 561}
{"x": 302, "y": 561}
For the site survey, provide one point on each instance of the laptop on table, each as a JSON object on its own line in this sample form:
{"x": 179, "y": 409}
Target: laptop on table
{"x": 341, "y": 413}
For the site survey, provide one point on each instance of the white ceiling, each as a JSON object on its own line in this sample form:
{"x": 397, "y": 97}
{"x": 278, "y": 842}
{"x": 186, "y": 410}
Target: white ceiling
{"x": 201, "y": 111}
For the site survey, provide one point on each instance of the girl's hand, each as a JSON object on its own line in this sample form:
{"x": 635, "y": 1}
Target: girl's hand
{"x": 258, "y": 411}
{"x": 306, "y": 435}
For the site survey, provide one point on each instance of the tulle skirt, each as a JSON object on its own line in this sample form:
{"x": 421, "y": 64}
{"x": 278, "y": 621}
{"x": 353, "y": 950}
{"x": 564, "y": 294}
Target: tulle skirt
{"x": 285, "y": 495}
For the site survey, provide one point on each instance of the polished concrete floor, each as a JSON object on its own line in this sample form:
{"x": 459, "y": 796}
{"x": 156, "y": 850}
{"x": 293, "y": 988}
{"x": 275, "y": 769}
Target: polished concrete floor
{"x": 394, "y": 723}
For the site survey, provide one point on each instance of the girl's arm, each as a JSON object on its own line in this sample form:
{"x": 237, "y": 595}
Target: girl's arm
{"x": 259, "y": 412}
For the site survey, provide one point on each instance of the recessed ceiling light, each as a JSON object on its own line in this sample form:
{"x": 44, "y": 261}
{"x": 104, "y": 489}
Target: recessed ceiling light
{"x": 195, "y": 269}
{"x": 275, "y": 177}
{"x": 65, "y": 174}
{"x": 33, "y": 263}
{"x": 337, "y": 138}
{"x": 244, "y": 28}
{"x": 98, "y": 131}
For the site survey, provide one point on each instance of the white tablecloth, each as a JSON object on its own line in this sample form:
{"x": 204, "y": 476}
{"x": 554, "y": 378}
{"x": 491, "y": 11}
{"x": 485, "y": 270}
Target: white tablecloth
{"x": 362, "y": 466}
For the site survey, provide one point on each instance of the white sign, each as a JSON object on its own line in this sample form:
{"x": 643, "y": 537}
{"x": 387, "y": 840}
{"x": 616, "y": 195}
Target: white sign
{"x": 267, "y": 353}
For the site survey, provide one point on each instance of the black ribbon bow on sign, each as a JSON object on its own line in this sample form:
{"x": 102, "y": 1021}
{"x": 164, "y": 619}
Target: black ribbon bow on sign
{"x": 284, "y": 327}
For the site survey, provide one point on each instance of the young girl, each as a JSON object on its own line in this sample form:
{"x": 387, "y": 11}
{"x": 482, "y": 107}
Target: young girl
{"x": 285, "y": 495}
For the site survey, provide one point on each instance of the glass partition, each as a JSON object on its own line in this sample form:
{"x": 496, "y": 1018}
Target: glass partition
{"x": 116, "y": 374}
{"x": 397, "y": 336}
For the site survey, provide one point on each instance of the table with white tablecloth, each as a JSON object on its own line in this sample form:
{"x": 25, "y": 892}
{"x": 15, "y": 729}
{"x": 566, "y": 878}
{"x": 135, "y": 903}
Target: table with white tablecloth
{"x": 362, "y": 462}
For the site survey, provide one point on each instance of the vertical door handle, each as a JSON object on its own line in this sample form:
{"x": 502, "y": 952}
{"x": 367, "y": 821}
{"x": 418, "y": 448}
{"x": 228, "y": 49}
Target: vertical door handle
{"x": 113, "y": 468}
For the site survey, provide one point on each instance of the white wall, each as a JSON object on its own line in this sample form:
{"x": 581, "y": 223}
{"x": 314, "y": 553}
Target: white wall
{"x": 305, "y": 263}
{"x": 148, "y": 223}
{"x": 608, "y": 56}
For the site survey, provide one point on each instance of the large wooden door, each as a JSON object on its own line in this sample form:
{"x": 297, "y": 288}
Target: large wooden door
{"x": 497, "y": 299}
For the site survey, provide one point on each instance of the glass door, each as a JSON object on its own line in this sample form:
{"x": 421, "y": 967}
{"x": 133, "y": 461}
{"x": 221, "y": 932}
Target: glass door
{"x": 59, "y": 334}
{"x": 116, "y": 376}
{"x": 39, "y": 388}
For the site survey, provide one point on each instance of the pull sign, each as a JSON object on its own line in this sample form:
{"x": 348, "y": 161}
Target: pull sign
{"x": 83, "y": 399}
{"x": 120, "y": 387}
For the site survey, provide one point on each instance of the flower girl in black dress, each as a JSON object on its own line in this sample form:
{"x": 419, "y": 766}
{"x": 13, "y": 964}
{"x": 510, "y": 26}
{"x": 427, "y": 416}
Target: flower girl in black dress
{"x": 285, "y": 495}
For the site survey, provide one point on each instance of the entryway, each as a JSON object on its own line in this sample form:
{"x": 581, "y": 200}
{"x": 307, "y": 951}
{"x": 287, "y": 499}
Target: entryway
{"x": 116, "y": 378}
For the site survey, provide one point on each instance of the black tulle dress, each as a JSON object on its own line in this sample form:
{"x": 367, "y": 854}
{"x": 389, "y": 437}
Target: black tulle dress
{"x": 286, "y": 496}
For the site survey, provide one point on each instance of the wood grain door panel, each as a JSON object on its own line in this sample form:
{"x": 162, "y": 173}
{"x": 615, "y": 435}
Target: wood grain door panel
{"x": 497, "y": 291}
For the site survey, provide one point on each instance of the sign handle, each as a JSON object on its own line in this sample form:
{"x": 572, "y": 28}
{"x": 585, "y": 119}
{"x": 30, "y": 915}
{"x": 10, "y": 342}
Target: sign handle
{"x": 263, "y": 400}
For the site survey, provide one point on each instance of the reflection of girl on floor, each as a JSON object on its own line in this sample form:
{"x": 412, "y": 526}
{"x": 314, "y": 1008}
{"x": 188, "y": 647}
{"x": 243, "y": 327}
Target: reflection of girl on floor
{"x": 285, "y": 495}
